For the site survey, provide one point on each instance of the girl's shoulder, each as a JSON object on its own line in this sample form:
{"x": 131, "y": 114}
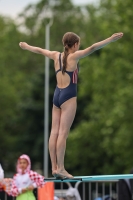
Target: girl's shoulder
{"x": 34, "y": 174}
{"x": 57, "y": 54}
{"x": 31, "y": 172}
{"x": 54, "y": 55}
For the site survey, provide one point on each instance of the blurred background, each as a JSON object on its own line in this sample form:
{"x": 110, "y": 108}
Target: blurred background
{"x": 100, "y": 140}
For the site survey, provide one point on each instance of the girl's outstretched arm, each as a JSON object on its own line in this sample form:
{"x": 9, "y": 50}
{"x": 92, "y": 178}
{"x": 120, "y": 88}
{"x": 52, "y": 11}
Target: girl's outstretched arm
{"x": 45, "y": 52}
{"x": 82, "y": 53}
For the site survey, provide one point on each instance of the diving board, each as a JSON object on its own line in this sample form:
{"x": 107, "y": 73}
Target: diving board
{"x": 91, "y": 178}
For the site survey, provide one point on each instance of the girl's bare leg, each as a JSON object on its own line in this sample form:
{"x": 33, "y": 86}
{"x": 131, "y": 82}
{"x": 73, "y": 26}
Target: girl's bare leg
{"x": 68, "y": 110}
{"x": 56, "y": 113}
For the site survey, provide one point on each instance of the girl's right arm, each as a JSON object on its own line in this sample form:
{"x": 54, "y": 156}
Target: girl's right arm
{"x": 15, "y": 191}
{"x": 38, "y": 50}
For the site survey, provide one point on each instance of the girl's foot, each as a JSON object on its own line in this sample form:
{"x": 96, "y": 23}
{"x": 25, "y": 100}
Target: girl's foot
{"x": 54, "y": 173}
{"x": 64, "y": 174}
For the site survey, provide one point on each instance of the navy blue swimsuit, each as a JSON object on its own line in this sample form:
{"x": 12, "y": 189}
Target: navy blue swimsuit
{"x": 63, "y": 94}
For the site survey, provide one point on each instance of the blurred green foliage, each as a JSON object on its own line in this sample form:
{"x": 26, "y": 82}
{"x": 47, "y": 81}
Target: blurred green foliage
{"x": 100, "y": 141}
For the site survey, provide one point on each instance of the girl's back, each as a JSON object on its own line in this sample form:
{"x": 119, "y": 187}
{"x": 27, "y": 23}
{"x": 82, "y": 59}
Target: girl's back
{"x": 64, "y": 79}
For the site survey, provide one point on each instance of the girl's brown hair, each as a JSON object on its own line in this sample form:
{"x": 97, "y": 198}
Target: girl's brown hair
{"x": 68, "y": 40}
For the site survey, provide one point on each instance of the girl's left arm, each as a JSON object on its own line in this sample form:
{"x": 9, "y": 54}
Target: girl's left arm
{"x": 38, "y": 50}
{"x": 37, "y": 179}
{"x": 83, "y": 53}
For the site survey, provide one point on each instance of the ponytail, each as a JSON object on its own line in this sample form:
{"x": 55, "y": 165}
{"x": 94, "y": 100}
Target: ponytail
{"x": 65, "y": 59}
{"x": 68, "y": 40}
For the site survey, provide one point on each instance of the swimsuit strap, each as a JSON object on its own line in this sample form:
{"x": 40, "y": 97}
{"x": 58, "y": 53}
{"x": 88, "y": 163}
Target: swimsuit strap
{"x": 60, "y": 62}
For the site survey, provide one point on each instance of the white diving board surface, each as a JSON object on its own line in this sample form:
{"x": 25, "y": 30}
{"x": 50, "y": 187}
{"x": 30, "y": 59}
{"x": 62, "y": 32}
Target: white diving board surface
{"x": 91, "y": 178}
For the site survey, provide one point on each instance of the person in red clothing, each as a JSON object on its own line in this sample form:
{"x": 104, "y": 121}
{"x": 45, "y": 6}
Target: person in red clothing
{"x": 5, "y": 183}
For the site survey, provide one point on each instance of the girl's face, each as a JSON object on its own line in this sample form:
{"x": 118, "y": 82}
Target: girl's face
{"x": 23, "y": 164}
{"x": 77, "y": 45}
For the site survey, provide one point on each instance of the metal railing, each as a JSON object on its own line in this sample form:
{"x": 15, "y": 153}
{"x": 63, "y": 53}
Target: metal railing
{"x": 91, "y": 190}
{"x": 99, "y": 189}
{"x": 87, "y": 190}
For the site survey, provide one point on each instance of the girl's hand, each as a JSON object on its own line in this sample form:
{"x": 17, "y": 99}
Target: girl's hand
{"x": 30, "y": 187}
{"x": 24, "y": 190}
{"x": 23, "y": 45}
{"x": 116, "y": 36}
{"x": 27, "y": 189}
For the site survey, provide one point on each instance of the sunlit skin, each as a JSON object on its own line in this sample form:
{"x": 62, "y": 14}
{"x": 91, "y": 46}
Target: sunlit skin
{"x": 23, "y": 164}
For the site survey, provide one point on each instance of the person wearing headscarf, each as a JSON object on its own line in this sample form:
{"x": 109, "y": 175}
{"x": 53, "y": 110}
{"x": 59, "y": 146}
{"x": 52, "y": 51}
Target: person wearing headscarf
{"x": 26, "y": 180}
